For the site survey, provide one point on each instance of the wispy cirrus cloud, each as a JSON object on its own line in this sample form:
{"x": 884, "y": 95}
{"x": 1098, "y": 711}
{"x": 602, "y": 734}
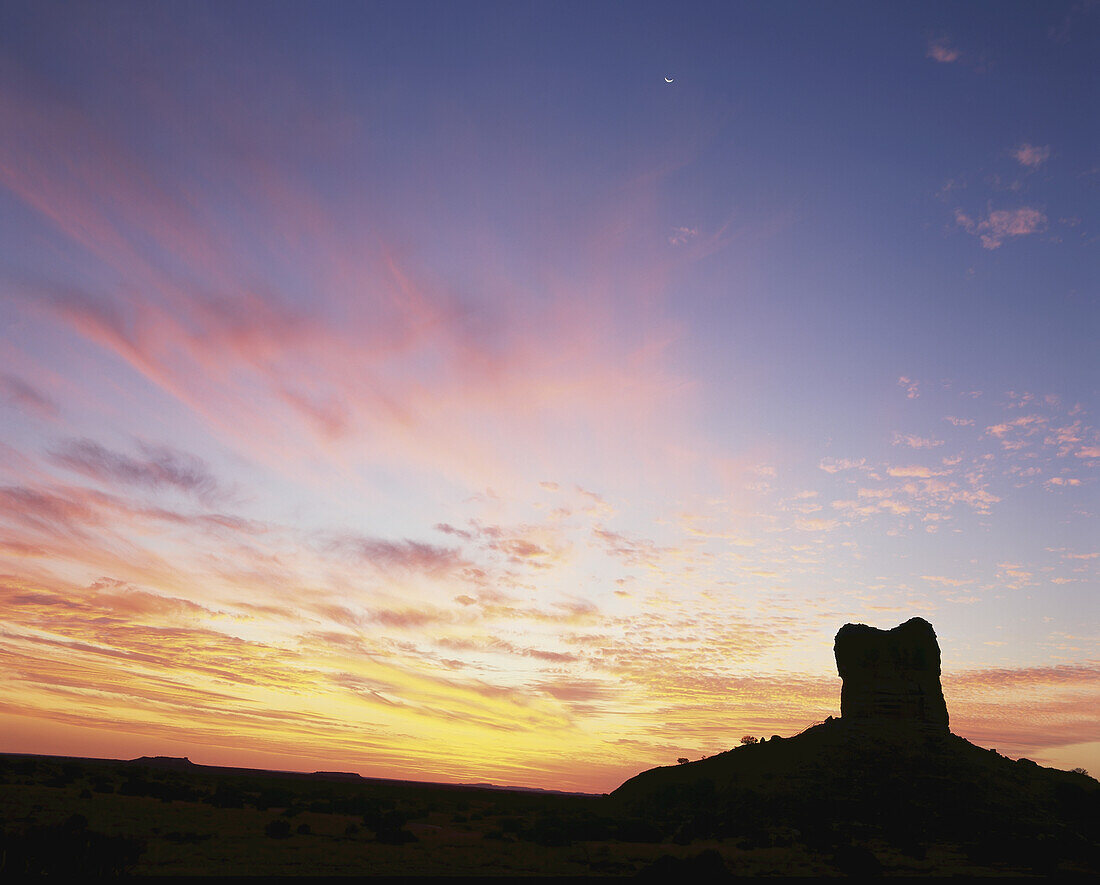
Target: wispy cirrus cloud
{"x": 406, "y": 555}
{"x": 393, "y": 370}
{"x": 156, "y": 467}
{"x": 23, "y": 395}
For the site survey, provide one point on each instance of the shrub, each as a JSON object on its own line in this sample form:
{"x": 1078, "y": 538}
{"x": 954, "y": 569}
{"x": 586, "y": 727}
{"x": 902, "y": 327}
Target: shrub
{"x": 395, "y": 836}
{"x": 68, "y": 850}
{"x": 278, "y": 829}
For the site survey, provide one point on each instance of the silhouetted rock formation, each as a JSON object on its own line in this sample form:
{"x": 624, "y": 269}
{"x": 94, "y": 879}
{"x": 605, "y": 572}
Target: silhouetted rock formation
{"x": 164, "y": 762}
{"x": 891, "y": 675}
{"x": 887, "y": 773}
{"x": 338, "y": 775}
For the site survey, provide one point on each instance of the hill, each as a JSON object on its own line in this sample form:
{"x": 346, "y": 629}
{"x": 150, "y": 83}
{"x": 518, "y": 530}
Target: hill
{"x": 888, "y": 773}
{"x": 838, "y": 784}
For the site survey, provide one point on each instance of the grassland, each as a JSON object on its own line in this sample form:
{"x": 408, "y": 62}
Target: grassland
{"x": 164, "y": 817}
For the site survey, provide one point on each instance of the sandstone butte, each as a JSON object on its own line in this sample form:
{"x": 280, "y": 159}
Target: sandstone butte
{"x": 891, "y": 675}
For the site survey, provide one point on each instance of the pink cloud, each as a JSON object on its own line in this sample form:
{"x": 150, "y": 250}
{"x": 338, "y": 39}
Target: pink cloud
{"x": 640, "y": 551}
{"x": 406, "y": 618}
{"x": 1066, "y": 438}
{"x": 940, "y": 50}
{"x": 681, "y": 235}
{"x": 914, "y": 471}
{"x": 816, "y": 525}
{"x": 387, "y": 363}
{"x": 1002, "y": 224}
{"x": 131, "y": 602}
{"x": 156, "y": 467}
{"x": 948, "y": 582}
{"x": 1032, "y": 155}
{"x": 916, "y": 442}
{"x": 496, "y": 645}
{"x": 835, "y": 465}
{"x": 414, "y": 556}
{"x": 23, "y": 395}
{"x": 912, "y": 388}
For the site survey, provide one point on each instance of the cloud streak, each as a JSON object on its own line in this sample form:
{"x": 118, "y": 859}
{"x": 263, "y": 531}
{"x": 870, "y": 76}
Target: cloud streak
{"x": 157, "y": 467}
{"x": 17, "y": 392}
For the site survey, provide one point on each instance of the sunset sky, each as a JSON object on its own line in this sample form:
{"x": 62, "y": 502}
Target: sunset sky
{"x": 434, "y": 391}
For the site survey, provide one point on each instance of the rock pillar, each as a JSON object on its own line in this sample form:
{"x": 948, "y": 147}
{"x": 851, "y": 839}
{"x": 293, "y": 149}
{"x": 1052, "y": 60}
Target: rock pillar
{"x": 891, "y": 675}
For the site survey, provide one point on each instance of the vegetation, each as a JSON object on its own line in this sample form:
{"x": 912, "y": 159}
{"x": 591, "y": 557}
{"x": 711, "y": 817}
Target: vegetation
{"x": 62, "y": 817}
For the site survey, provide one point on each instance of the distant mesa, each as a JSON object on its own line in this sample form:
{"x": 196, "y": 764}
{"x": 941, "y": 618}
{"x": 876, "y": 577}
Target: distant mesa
{"x": 891, "y": 676}
{"x": 164, "y": 761}
{"x": 338, "y": 775}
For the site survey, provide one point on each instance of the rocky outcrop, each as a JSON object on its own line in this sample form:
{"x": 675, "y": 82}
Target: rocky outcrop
{"x": 891, "y": 676}
{"x": 887, "y": 773}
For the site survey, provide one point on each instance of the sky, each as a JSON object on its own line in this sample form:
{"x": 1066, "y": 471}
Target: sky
{"x": 436, "y": 391}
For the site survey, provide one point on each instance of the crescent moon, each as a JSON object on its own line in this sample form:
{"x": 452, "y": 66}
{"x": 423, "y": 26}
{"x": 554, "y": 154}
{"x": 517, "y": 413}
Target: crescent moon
{"x": 668, "y": 79}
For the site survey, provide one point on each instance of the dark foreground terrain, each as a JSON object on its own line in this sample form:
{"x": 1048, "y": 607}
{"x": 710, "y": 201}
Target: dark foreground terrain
{"x": 828, "y": 802}
{"x": 881, "y": 798}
